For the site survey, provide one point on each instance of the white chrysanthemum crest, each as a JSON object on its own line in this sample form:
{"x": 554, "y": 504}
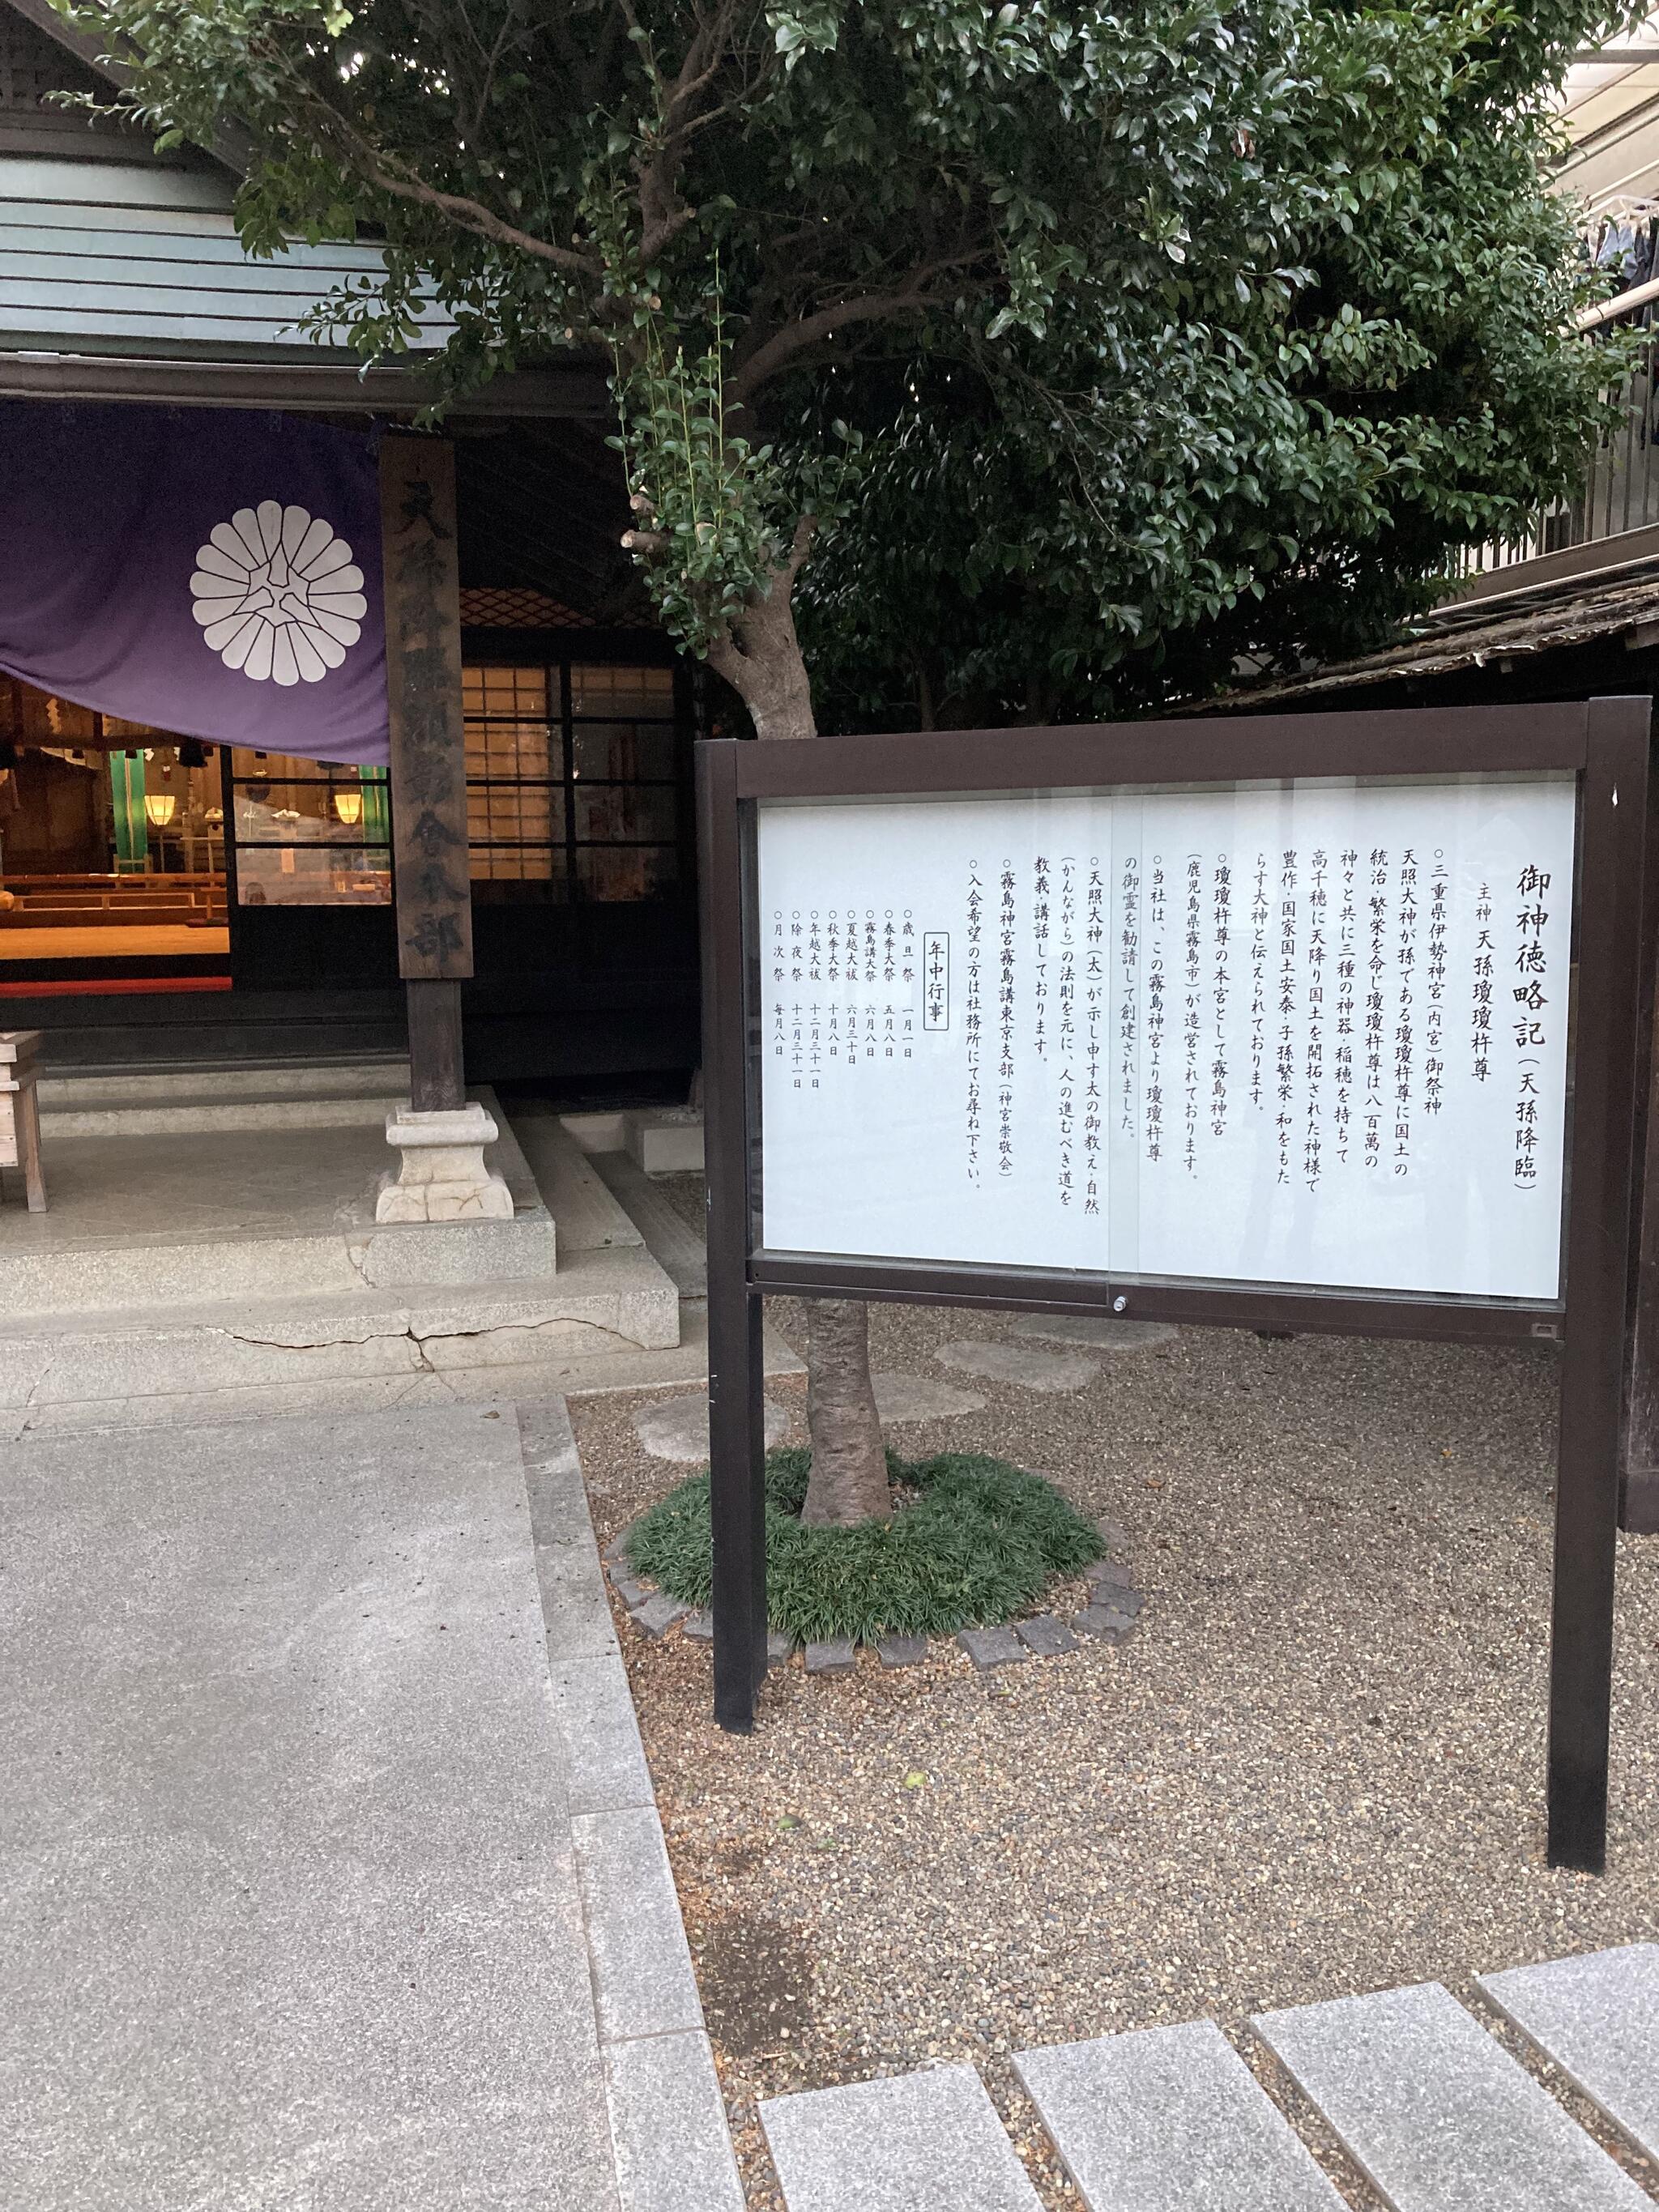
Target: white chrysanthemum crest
{"x": 277, "y": 595}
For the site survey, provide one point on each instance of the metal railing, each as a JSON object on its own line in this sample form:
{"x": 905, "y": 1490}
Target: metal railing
{"x": 1621, "y": 488}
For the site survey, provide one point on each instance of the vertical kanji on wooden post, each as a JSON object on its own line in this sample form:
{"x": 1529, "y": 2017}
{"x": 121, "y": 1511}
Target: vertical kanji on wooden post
{"x": 433, "y": 891}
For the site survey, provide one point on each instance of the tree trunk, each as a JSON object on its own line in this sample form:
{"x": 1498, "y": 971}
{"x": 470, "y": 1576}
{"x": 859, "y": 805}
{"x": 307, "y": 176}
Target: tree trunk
{"x": 850, "y": 1461}
{"x": 761, "y": 661}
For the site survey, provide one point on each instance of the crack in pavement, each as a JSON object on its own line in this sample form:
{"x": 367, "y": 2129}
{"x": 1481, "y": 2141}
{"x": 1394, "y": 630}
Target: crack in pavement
{"x": 422, "y": 1338}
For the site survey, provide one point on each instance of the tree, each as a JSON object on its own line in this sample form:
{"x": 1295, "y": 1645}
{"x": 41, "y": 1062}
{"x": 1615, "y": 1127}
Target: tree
{"x": 1167, "y": 253}
{"x": 1034, "y": 544}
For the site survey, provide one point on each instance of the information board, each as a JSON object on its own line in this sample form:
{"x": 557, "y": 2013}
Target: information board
{"x": 1313, "y": 1022}
{"x": 1313, "y": 1033}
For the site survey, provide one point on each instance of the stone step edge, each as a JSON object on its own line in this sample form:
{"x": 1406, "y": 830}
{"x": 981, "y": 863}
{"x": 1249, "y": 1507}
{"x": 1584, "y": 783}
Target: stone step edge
{"x": 155, "y": 1080}
{"x": 569, "y": 1287}
{"x": 145, "y": 1117}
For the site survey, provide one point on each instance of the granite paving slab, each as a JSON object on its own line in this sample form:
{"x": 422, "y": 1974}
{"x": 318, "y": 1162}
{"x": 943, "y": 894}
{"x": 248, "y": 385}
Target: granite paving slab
{"x": 575, "y": 1610}
{"x": 1435, "y": 2111}
{"x": 678, "y": 1428}
{"x": 831, "y": 1655}
{"x": 595, "y": 1711}
{"x": 1597, "y": 2018}
{"x": 288, "y": 1910}
{"x": 901, "y": 1650}
{"x": 918, "y": 2142}
{"x": 1098, "y": 1332}
{"x": 642, "y": 1977}
{"x": 1026, "y": 1364}
{"x": 668, "y": 2122}
{"x": 1170, "y": 2120}
{"x": 901, "y": 1398}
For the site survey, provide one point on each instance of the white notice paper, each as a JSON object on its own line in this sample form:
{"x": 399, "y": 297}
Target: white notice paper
{"x": 1310, "y": 1033}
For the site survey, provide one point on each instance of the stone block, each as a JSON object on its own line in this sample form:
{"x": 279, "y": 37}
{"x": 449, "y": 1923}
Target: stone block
{"x": 1170, "y": 2120}
{"x": 1108, "y": 1622}
{"x": 575, "y": 1607}
{"x": 642, "y": 1979}
{"x": 594, "y": 1708}
{"x": 1024, "y": 1364}
{"x": 668, "y": 2125}
{"x": 832, "y": 1655}
{"x": 633, "y": 1594}
{"x": 441, "y": 1175}
{"x": 658, "y": 1613}
{"x": 1108, "y": 1571}
{"x": 992, "y": 1647}
{"x": 1436, "y": 2113}
{"x": 665, "y": 1139}
{"x": 615, "y": 1554}
{"x": 901, "y": 1650}
{"x": 1597, "y": 2019}
{"x": 700, "y": 1628}
{"x": 917, "y": 2142}
{"x": 780, "y": 1648}
{"x": 1045, "y": 1635}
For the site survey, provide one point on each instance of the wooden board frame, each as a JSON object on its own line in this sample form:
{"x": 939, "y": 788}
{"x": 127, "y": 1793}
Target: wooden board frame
{"x": 1606, "y": 743}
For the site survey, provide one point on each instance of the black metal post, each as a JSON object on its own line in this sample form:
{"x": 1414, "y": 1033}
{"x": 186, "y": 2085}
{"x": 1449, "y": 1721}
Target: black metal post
{"x": 1614, "y": 831}
{"x": 736, "y": 1435}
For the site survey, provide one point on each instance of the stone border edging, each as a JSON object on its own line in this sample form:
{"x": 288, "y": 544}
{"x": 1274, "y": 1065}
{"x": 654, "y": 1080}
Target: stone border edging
{"x": 1111, "y": 1614}
{"x": 669, "y": 2135}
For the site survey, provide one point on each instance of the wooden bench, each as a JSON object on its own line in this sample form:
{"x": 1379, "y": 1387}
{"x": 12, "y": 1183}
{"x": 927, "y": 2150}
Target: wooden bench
{"x": 19, "y": 1113}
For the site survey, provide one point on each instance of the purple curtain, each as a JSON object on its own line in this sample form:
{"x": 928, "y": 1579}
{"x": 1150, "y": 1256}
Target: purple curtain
{"x": 209, "y": 572}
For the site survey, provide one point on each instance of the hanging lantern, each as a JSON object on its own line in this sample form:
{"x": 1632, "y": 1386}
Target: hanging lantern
{"x": 349, "y": 806}
{"x": 158, "y": 808}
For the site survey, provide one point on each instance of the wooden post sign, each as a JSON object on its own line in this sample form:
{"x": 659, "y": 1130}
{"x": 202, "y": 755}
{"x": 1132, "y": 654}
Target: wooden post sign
{"x": 431, "y": 869}
{"x": 423, "y": 686}
{"x": 1261, "y": 1023}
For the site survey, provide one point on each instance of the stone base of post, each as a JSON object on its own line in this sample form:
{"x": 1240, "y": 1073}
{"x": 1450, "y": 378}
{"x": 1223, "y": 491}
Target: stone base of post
{"x": 441, "y": 1175}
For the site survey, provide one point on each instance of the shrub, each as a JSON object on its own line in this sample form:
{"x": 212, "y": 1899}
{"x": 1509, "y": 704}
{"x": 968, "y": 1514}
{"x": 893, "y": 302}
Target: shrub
{"x": 972, "y": 1542}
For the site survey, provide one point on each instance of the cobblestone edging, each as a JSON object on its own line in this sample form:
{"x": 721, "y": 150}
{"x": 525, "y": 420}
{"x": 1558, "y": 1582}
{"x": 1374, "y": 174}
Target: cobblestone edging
{"x": 672, "y": 2145}
{"x": 1111, "y": 1615}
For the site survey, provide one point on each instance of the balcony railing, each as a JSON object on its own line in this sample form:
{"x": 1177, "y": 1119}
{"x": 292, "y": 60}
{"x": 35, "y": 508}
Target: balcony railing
{"x": 1621, "y": 489}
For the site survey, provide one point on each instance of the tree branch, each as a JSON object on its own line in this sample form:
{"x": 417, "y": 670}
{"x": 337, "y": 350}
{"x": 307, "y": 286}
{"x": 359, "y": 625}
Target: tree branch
{"x": 776, "y": 352}
{"x": 397, "y": 180}
{"x": 662, "y": 213}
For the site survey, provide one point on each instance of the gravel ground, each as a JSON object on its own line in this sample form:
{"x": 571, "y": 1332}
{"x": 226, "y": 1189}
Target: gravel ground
{"x": 1315, "y": 1769}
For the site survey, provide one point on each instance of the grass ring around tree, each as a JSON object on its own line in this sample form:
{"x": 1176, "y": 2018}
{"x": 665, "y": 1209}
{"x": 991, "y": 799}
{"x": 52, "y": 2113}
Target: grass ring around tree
{"x": 972, "y": 1542}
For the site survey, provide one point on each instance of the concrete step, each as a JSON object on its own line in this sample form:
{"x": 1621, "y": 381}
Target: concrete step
{"x": 544, "y": 1371}
{"x": 252, "y": 1359}
{"x": 926, "y": 2143}
{"x": 249, "y": 1095}
{"x": 669, "y": 1237}
{"x": 190, "y": 1217}
{"x": 1597, "y": 2019}
{"x": 1170, "y": 2120}
{"x": 590, "y": 1216}
{"x": 1436, "y": 2113}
